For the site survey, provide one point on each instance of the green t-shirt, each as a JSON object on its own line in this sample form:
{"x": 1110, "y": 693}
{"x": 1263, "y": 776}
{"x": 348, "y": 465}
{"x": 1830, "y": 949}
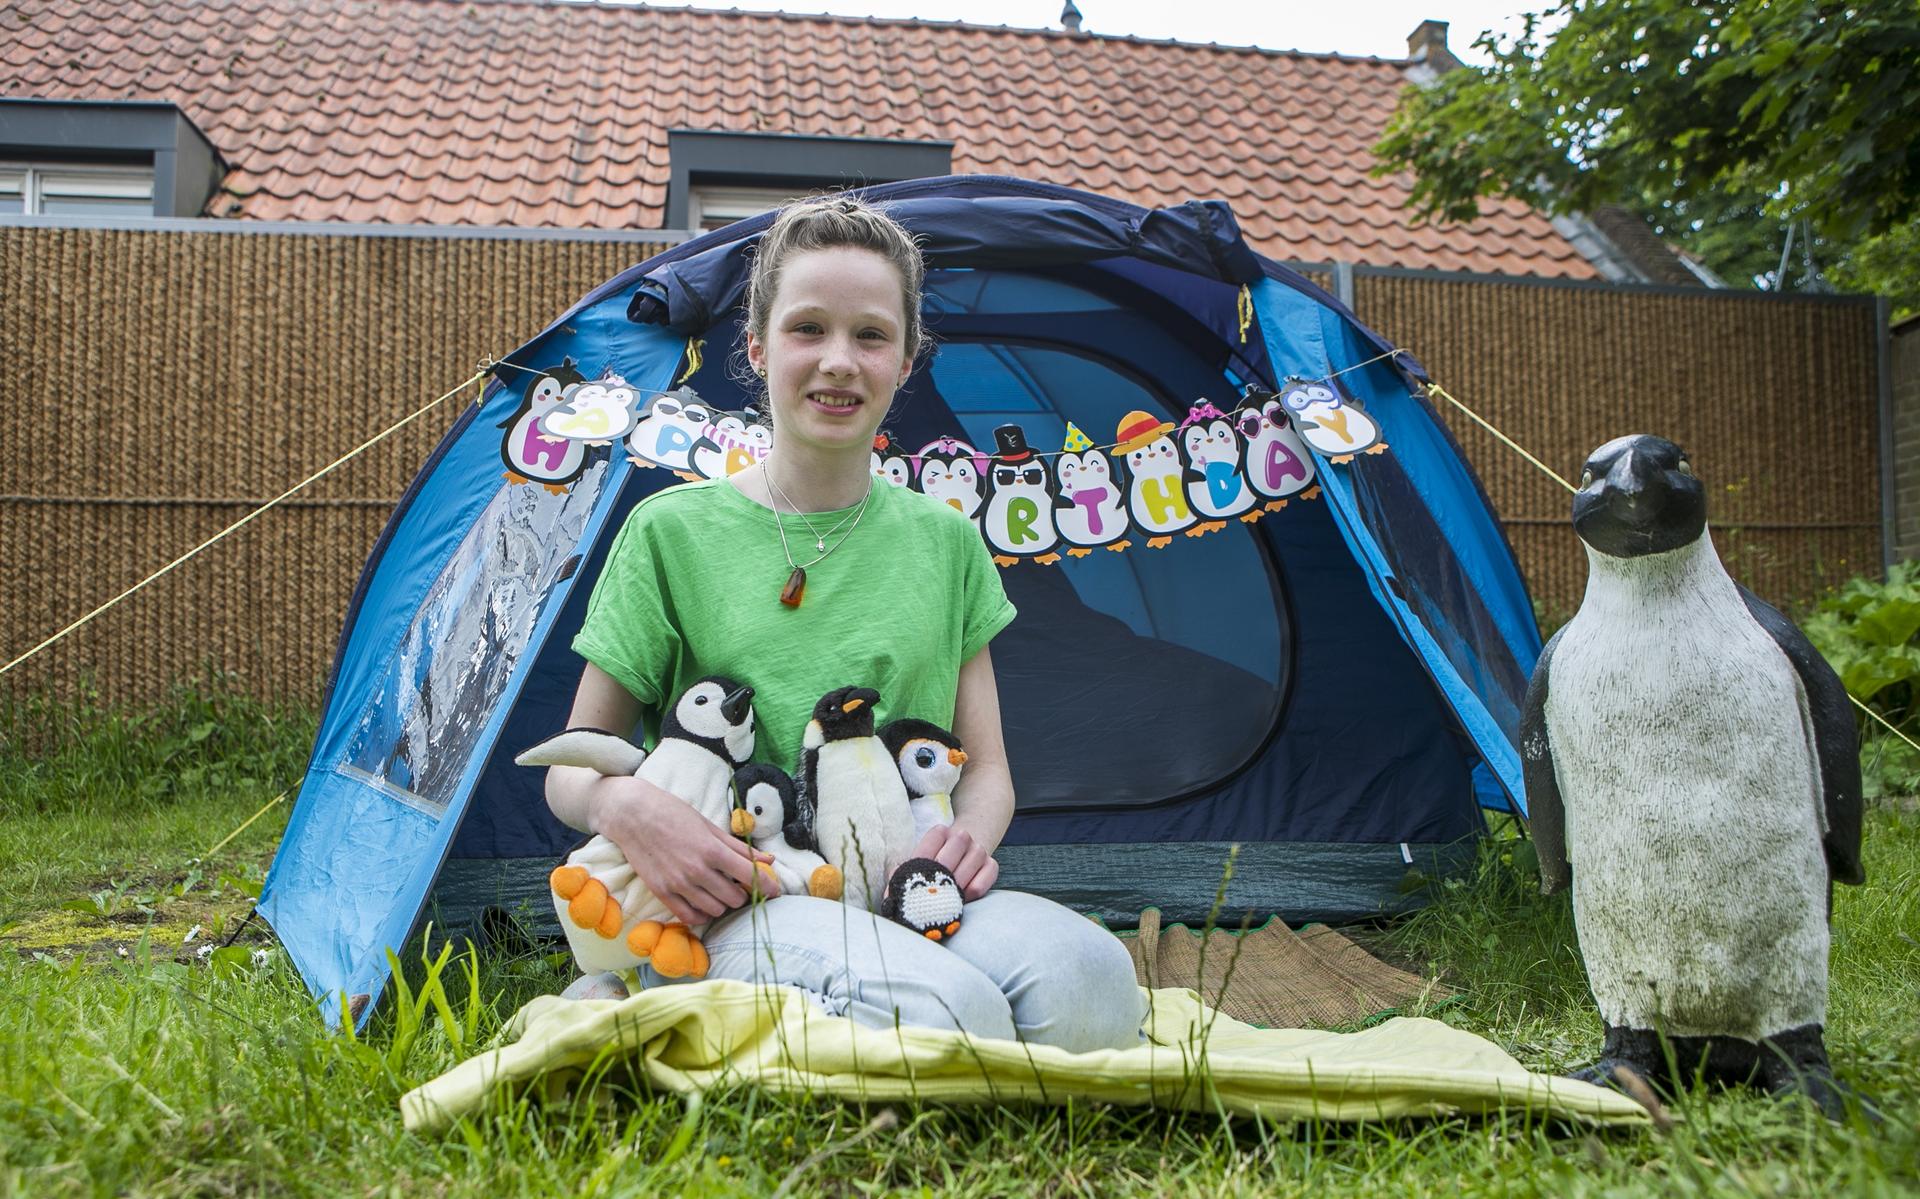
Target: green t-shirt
{"x": 692, "y": 588}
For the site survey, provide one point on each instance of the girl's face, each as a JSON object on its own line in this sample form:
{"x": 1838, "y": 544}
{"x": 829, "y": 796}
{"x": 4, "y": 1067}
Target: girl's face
{"x": 835, "y": 349}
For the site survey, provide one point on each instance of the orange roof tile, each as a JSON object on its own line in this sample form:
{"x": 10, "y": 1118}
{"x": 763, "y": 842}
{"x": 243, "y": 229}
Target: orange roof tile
{"x": 530, "y": 112}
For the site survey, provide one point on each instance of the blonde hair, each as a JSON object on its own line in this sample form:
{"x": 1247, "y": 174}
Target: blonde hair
{"x": 828, "y": 222}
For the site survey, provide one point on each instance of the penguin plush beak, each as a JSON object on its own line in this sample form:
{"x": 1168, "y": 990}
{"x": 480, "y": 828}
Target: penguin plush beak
{"x": 851, "y": 704}
{"x": 957, "y": 757}
{"x": 734, "y": 707}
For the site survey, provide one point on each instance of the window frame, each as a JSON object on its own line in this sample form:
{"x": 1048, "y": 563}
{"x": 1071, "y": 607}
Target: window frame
{"x": 121, "y": 181}
{"x": 725, "y": 205}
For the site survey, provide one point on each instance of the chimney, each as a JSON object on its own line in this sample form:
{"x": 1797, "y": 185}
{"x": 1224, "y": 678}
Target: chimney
{"x": 1070, "y": 18}
{"x": 1428, "y": 45}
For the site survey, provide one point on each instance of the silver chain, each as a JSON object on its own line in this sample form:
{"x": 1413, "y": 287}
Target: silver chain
{"x": 820, "y": 539}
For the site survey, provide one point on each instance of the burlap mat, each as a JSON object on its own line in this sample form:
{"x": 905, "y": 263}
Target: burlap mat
{"x": 1272, "y": 976}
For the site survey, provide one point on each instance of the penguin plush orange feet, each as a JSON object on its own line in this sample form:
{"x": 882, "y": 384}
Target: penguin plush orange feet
{"x": 672, "y": 949}
{"x": 588, "y": 903}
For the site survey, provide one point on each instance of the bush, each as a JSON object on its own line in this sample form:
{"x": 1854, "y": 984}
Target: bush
{"x": 1870, "y": 632}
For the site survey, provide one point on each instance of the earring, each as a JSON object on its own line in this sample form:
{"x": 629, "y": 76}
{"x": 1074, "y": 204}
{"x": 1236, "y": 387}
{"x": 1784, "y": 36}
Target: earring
{"x": 761, "y": 371}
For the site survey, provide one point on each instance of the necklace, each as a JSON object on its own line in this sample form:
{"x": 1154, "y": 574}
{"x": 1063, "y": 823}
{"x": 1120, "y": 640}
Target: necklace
{"x": 796, "y": 587}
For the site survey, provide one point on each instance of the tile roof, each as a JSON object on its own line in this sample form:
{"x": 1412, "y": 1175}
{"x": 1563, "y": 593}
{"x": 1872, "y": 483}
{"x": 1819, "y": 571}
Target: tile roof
{"x": 529, "y": 112}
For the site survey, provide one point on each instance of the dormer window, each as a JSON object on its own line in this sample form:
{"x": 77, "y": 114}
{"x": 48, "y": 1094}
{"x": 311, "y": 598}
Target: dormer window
{"x": 75, "y": 189}
{"x": 103, "y": 158}
{"x": 713, "y": 207}
{"x": 720, "y": 176}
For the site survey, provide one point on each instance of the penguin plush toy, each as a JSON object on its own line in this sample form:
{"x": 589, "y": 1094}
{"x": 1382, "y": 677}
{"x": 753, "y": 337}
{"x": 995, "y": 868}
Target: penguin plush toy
{"x": 1691, "y": 763}
{"x": 611, "y": 919}
{"x": 767, "y": 797}
{"x": 929, "y": 759}
{"x": 923, "y": 896}
{"x": 853, "y": 806}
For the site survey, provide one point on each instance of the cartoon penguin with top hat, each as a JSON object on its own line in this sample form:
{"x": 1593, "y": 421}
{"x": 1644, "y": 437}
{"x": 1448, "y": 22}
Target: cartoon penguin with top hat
{"x": 1691, "y": 761}
{"x": 1019, "y": 518}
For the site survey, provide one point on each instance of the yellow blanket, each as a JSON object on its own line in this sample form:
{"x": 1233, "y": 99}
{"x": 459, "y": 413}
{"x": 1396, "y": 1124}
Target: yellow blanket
{"x": 721, "y": 1033}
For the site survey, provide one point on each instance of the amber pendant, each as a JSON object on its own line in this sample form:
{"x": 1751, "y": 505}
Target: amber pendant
{"x": 795, "y": 588}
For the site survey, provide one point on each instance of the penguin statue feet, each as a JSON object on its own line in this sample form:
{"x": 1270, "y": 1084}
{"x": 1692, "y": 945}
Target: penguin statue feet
{"x": 1793, "y": 1062}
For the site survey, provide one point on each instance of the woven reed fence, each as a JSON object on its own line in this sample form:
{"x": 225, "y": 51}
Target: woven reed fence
{"x": 159, "y": 385}
{"x": 1774, "y": 398}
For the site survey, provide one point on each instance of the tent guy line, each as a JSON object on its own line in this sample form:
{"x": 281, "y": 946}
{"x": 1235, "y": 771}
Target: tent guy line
{"x": 478, "y": 376}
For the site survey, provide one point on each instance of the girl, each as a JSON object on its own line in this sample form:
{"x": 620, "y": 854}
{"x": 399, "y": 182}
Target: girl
{"x": 801, "y": 575}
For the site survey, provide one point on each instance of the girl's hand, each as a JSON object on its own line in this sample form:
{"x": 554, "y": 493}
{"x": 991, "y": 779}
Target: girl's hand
{"x": 697, "y": 869}
{"x": 969, "y": 862}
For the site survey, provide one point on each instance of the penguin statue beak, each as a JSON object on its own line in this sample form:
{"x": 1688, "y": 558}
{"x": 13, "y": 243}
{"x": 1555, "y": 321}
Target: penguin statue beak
{"x": 957, "y": 757}
{"x": 735, "y": 706}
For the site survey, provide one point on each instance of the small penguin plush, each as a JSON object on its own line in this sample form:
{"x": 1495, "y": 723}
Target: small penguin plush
{"x": 929, "y": 759}
{"x": 922, "y": 896}
{"x": 767, "y": 797}
{"x": 1691, "y": 757}
{"x": 850, "y": 795}
{"x": 612, "y": 921}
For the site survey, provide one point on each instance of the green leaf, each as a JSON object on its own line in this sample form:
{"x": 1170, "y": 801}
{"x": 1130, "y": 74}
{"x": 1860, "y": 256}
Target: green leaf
{"x": 234, "y": 961}
{"x": 1891, "y": 621}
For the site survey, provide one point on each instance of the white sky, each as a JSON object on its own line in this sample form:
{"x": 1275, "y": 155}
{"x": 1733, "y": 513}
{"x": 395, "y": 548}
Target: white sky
{"x": 1370, "y": 27}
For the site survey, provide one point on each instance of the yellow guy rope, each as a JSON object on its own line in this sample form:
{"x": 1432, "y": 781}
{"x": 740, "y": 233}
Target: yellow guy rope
{"x": 1434, "y": 389}
{"x": 222, "y": 843}
{"x": 478, "y": 375}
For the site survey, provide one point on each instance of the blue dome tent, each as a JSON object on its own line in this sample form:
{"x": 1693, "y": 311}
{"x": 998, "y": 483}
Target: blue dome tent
{"x": 1332, "y": 684}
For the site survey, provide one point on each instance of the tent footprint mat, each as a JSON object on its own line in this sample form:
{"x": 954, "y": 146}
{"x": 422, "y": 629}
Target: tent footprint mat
{"x": 722, "y": 1033}
{"x": 1272, "y": 976}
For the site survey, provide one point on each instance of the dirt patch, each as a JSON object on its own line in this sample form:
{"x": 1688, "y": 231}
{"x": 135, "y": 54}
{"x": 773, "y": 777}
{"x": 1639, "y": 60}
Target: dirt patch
{"x": 103, "y": 924}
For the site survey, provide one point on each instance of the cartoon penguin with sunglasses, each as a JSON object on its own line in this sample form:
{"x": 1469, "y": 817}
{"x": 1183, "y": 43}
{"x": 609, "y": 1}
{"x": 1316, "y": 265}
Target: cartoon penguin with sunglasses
{"x": 1019, "y": 518}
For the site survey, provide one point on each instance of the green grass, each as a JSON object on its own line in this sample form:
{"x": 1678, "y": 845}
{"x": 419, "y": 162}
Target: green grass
{"x": 130, "y": 1063}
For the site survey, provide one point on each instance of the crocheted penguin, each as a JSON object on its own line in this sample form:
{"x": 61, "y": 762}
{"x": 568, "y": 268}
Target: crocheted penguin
{"x": 923, "y": 896}
{"x": 929, "y": 759}
{"x": 611, "y": 919}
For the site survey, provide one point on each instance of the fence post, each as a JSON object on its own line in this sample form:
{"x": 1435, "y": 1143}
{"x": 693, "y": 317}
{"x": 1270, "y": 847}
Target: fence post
{"x": 1889, "y": 512}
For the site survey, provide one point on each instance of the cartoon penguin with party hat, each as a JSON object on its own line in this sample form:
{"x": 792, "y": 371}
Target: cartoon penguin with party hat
{"x": 532, "y": 456}
{"x": 1092, "y": 509}
{"x": 1691, "y": 761}
{"x": 1019, "y": 517}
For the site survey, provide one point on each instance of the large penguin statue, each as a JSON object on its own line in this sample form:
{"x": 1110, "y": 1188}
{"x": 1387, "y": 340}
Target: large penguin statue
{"x": 1691, "y": 761}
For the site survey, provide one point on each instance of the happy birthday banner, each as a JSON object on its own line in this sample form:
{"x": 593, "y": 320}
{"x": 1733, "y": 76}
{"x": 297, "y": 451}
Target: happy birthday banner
{"x": 1155, "y": 479}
